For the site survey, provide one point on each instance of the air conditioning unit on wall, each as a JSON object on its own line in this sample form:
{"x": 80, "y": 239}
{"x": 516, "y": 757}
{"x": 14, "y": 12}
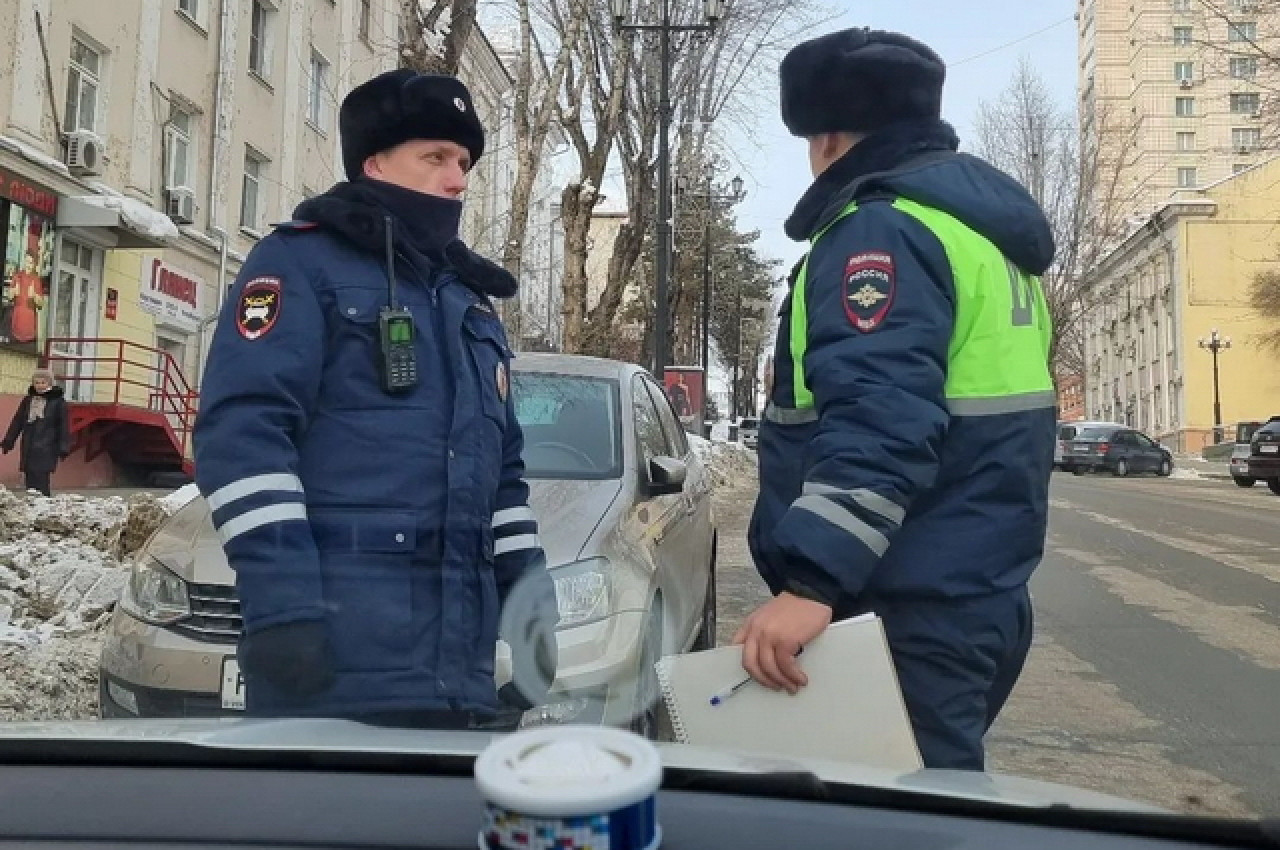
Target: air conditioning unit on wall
{"x": 180, "y": 204}
{"x": 85, "y": 153}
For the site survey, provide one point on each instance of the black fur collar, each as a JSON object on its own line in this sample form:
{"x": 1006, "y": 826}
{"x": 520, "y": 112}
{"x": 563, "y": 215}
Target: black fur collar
{"x": 879, "y": 152}
{"x": 355, "y": 212}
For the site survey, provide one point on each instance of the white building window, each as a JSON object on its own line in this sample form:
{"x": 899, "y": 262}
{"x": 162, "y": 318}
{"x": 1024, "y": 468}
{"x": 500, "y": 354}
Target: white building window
{"x": 1244, "y": 67}
{"x": 1182, "y": 5}
{"x": 261, "y": 16}
{"x": 1183, "y": 71}
{"x": 84, "y": 76}
{"x": 1245, "y": 139}
{"x": 1182, "y": 36}
{"x": 1186, "y": 142}
{"x": 366, "y": 14}
{"x": 1186, "y": 178}
{"x": 1242, "y": 31}
{"x": 1184, "y": 107}
{"x": 318, "y": 92}
{"x": 194, "y": 10}
{"x": 1245, "y": 104}
{"x": 1239, "y": 166}
{"x": 252, "y": 198}
{"x": 179, "y": 150}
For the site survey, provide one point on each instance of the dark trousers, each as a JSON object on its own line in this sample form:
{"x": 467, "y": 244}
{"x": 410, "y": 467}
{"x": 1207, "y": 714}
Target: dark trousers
{"x": 957, "y": 662}
{"x": 38, "y": 480}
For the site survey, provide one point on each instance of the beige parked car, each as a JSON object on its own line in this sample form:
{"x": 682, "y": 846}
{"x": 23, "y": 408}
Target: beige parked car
{"x": 625, "y": 511}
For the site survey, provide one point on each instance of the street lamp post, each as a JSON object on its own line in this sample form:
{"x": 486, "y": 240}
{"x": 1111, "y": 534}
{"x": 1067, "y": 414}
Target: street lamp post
{"x": 1215, "y": 344}
{"x": 713, "y": 11}
{"x": 735, "y": 196}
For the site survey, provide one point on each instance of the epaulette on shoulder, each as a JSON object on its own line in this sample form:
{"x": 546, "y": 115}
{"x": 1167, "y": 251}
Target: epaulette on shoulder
{"x": 296, "y": 225}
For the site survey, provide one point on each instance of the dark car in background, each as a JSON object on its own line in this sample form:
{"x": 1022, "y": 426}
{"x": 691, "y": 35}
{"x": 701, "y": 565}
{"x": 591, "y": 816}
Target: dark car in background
{"x": 1238, "y": 463}
{"x": 1264, "y": 455}
{"x": 1116, "y": 449}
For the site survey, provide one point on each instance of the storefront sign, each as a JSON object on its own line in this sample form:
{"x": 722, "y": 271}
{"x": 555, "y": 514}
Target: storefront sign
{"x": 28, "y": 194}
{"x": 170, "y": 294}
{"x": 113, "y": 303}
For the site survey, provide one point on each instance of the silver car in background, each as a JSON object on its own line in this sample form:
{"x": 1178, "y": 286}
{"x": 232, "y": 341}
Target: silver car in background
{"x": 625, "y": 512}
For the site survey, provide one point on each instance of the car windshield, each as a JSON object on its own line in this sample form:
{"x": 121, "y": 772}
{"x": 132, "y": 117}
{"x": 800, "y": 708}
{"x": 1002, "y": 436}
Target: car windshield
{"x": 571, "y": 426}
{"x": 404, "y": 364}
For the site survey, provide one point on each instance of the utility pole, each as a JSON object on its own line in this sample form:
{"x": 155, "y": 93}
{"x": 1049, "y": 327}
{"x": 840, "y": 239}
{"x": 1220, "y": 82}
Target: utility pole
{"x": 713, "y": 11}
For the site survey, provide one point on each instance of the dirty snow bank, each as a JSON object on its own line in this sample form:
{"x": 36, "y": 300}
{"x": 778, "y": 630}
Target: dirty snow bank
{"x": 729, "y": 464}
{"x": 63, "y": 564}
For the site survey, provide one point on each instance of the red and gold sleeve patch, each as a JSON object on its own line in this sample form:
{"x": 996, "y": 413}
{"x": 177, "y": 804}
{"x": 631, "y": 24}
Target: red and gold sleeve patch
{"x": 869, "y": 289}
{"x": 258, "y": 309}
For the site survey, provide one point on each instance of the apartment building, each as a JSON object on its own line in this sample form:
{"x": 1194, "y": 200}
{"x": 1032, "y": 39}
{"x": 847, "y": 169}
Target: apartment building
{"x": 1173, "y": 92}
{"x": 1168, "y": 286}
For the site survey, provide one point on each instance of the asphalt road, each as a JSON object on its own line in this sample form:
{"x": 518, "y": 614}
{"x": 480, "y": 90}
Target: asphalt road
{"x": 1156, "y": 669}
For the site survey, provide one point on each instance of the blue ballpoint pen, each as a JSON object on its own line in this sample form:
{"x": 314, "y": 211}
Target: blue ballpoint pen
{"x": 720, "y": 696}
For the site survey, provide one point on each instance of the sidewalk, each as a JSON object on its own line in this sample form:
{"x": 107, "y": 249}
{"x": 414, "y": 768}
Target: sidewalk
{"x": 1205, "y": 468}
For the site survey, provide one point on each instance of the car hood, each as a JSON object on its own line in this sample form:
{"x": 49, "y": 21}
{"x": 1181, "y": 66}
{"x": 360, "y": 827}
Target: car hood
{"x": 294, "y": 736}
{"x": 569, "y": 512}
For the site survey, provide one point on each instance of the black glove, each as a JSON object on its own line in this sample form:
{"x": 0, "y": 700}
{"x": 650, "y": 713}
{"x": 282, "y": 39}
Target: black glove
{"x": 295, "y": 658}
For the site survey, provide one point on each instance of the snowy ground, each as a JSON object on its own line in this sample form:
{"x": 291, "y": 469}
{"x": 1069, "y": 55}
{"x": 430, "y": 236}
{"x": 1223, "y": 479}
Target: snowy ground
{"x": 731, "y": 465}
{"x": 63, "y": 564}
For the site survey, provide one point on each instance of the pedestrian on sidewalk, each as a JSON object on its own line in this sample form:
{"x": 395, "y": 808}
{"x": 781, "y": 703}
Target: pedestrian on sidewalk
{"x": 906, "y": 449}
{"x": 42, "y": 424}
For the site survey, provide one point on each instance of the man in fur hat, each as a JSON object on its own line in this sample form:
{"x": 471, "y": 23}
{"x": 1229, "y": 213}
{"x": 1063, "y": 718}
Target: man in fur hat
{"x": 360, "y": 451}
{"x": 906, "y": 449}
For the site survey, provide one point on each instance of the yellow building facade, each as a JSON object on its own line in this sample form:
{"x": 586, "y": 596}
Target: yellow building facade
{"x": 1185, "y": 272}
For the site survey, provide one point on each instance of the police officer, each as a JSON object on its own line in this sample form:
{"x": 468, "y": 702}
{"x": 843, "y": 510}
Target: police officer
{"x": 907, "y": 445}
{"x": 357, "y": 441}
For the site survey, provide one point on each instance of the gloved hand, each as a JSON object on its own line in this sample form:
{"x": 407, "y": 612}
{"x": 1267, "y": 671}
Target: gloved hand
{"x": 296, "y": 658}
{"x": 534, "y": 658}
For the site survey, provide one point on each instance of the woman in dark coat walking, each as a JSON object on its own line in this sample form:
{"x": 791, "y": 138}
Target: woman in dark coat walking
{"x": 42, "y": 423}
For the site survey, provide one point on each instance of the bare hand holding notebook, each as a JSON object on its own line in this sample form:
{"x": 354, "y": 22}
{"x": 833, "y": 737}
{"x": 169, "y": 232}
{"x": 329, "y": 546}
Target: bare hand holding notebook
{"x": 851, "y": 710}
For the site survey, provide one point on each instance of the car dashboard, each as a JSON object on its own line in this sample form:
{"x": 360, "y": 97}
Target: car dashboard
{"x": 322, "y": 801}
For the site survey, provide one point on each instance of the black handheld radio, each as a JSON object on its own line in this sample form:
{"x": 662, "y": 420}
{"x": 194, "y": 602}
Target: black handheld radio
{"x": 397, "y": 361}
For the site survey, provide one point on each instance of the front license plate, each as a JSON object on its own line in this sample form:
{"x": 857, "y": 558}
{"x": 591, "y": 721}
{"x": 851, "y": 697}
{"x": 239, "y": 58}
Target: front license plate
{"x": 232, "y": 685}
{"x": 1269, "y": 450}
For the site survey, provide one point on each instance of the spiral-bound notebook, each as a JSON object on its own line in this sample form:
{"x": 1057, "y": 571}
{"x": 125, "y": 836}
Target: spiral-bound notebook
{"x": 851, "y": 710}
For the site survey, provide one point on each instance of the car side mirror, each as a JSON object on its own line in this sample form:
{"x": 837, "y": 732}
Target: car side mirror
{"x": 667, "y": 476}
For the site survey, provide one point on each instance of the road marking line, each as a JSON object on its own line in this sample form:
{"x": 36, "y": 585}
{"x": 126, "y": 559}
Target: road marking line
{"x": 1268, "y": 567}
{"x": 1234, "y": 628}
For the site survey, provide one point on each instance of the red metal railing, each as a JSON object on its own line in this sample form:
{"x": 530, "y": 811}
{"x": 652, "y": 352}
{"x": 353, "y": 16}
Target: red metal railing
{"x": 131, "y": 372}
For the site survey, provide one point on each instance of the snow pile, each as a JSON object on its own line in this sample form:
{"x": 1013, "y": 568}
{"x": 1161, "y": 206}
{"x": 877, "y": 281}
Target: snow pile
{"x": 1187, "y": 474}
{"x": 63, "y": 564}
{"x": 730, "y": 465}
{"x": 134, "y": 214}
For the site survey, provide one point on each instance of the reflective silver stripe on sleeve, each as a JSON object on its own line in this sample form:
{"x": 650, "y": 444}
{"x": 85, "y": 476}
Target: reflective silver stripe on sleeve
{"x": 513, "y": 515}
{"x": 872, "y": 501}
{"x": 790, "y": 415}
{"x": 275, "y": 482}
{"x": 995, "y": 405}
{"x": 248, "y": 521}
{"x": 515, "y": 544}
{"x": 845, "y": 521}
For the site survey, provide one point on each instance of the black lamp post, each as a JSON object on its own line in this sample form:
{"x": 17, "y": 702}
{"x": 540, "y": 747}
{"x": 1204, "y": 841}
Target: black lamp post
{"x": 737, "y": 193}
{"x": 713, "y": 11}
{"x": 1215, "y": 344}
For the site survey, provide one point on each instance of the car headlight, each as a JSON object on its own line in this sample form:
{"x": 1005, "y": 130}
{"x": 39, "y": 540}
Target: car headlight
{"x": 155, "y": 595}
{"x": 582, "y": 591}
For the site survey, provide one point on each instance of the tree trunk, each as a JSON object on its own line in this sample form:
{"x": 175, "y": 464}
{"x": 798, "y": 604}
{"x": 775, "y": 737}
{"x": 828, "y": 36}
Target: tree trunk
{"x": 576, "y": 206}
